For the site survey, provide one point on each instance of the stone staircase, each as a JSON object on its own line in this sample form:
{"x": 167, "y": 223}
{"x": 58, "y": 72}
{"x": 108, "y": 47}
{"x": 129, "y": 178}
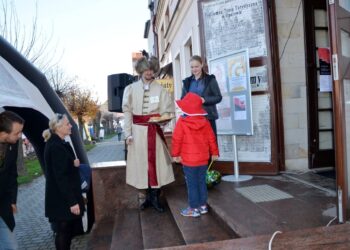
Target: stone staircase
{"x": 148, "y": 229}
{"x": 121, "y": 225}
{"x": 233, "y": 221}
{"x": 206, "y": 228}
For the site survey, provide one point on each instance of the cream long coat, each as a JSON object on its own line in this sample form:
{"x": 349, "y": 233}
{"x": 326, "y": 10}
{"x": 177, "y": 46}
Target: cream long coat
{"x": 137, "y": 159}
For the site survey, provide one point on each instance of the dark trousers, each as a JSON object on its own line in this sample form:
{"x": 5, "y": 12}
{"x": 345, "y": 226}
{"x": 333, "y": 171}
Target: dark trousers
{"x": 65, "y": 231}
{"x": 196, "y": 185}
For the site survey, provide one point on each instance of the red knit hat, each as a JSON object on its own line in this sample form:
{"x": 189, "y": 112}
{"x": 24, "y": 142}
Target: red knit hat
{"x": 191, "y": 105}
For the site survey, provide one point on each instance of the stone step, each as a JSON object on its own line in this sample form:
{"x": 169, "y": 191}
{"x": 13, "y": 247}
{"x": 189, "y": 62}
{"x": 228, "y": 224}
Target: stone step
{"x": 205, "y": 228}
{"x": 101, "y": 235}
{"x": 325, "y": 238}
{"x": 241, "y": 216}
{"x": 159, "y": 229}
{"x": 127, "y": 232}
{"x": 249, "y": 218}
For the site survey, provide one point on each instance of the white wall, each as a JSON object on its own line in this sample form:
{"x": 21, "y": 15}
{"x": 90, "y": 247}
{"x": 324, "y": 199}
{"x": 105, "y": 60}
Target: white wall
{"x": 293, "y": 84}
{"x": 151, "y": 41}
{"x": 186, "y": 28}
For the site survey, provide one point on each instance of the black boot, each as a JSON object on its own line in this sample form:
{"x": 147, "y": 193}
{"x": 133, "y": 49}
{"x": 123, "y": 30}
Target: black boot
{"x": 155, "y": 201}
{"x": 147, "y": 202}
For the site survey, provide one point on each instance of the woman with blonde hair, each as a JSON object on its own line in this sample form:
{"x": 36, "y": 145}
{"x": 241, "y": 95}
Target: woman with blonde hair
{"x": 64, "y": 204}
{"x": 148, "y": 163}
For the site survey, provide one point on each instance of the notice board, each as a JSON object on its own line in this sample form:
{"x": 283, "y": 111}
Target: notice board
{"x": 235, "y": 110}
{"x": 229, "y": 26}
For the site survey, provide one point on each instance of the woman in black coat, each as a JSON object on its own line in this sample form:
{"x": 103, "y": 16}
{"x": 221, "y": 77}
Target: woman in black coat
{"x": 206, "y": 87}
{"x": 64, "y": 205}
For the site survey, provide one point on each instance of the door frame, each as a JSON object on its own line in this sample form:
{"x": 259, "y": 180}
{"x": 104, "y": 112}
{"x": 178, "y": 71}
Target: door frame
{"x": 339, "y": 110}
{"x": 317, "y": 158}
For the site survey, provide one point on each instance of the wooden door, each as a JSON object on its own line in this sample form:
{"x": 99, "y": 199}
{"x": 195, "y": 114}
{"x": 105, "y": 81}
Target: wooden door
{"x": 320, "y": 107}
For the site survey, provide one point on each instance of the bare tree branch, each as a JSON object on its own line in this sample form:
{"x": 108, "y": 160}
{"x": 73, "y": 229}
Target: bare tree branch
{"x": 28, "y": 39}
{"x": 60, "y": 82}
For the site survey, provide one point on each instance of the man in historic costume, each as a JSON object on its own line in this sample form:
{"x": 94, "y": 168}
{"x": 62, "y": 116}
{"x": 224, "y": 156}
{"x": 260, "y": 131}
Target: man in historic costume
{"x": 11, "y": 126}
{"x": 148, "y": 160}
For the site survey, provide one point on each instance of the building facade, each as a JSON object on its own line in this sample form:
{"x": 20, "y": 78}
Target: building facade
{"x": 298, "y": 53}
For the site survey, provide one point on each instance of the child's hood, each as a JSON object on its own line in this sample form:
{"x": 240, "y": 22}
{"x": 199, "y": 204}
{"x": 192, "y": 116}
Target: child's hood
{"x": 194, "y": 122}
{"x": 191, "y": 105}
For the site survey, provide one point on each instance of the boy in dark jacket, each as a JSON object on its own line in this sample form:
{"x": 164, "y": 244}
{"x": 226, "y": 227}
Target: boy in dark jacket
{"x": 192, "y": 144}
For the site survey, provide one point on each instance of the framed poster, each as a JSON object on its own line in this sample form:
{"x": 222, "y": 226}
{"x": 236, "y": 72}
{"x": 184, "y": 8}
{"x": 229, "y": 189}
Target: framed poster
{"x": 235, "y": 110}
{"x": 234, "y": 25}
{"x": 219, "y": 70}
{"x": 258, "y": 78}
{"x": 224, "y": 124}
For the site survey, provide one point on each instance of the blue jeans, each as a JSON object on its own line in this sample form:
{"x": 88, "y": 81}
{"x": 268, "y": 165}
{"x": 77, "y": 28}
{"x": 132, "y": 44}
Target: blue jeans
{"x": 7, "y": 238}
{"x": 196, "y": 185}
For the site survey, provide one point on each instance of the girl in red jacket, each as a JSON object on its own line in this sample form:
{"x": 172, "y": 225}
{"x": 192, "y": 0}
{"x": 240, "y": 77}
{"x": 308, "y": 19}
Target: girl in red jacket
{"x": 192, "y": 144}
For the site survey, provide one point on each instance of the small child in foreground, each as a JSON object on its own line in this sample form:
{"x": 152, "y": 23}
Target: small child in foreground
{"x": 192, "y": 144}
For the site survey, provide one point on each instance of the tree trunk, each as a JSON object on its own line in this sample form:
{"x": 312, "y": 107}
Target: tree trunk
{"x": 88, "y": 136}
{"x": 81, "y": 127}
{"x": 96, "y": 125}
{"x": 111, "y": 126}
{"x": 104, "y": 123}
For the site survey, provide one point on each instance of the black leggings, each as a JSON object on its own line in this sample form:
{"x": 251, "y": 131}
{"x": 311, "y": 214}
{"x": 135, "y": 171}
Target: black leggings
{"x": 65, "y": 231}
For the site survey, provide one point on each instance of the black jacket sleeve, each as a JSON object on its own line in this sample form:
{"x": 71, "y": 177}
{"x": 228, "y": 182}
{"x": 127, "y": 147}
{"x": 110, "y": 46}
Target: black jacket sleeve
{"x": 213, "y": 94}
{"x": 13, "y": 186}
{"x": 184, "y": 89}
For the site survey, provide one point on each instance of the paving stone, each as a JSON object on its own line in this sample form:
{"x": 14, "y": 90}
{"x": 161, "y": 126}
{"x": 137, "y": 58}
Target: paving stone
{"x": 33, "y": 230}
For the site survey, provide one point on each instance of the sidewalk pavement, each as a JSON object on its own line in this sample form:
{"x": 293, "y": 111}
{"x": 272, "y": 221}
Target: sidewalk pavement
{"x": 32, "y": 230}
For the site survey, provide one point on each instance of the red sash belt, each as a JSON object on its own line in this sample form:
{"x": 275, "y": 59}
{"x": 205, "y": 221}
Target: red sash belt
{"x": 153, "y": 128}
